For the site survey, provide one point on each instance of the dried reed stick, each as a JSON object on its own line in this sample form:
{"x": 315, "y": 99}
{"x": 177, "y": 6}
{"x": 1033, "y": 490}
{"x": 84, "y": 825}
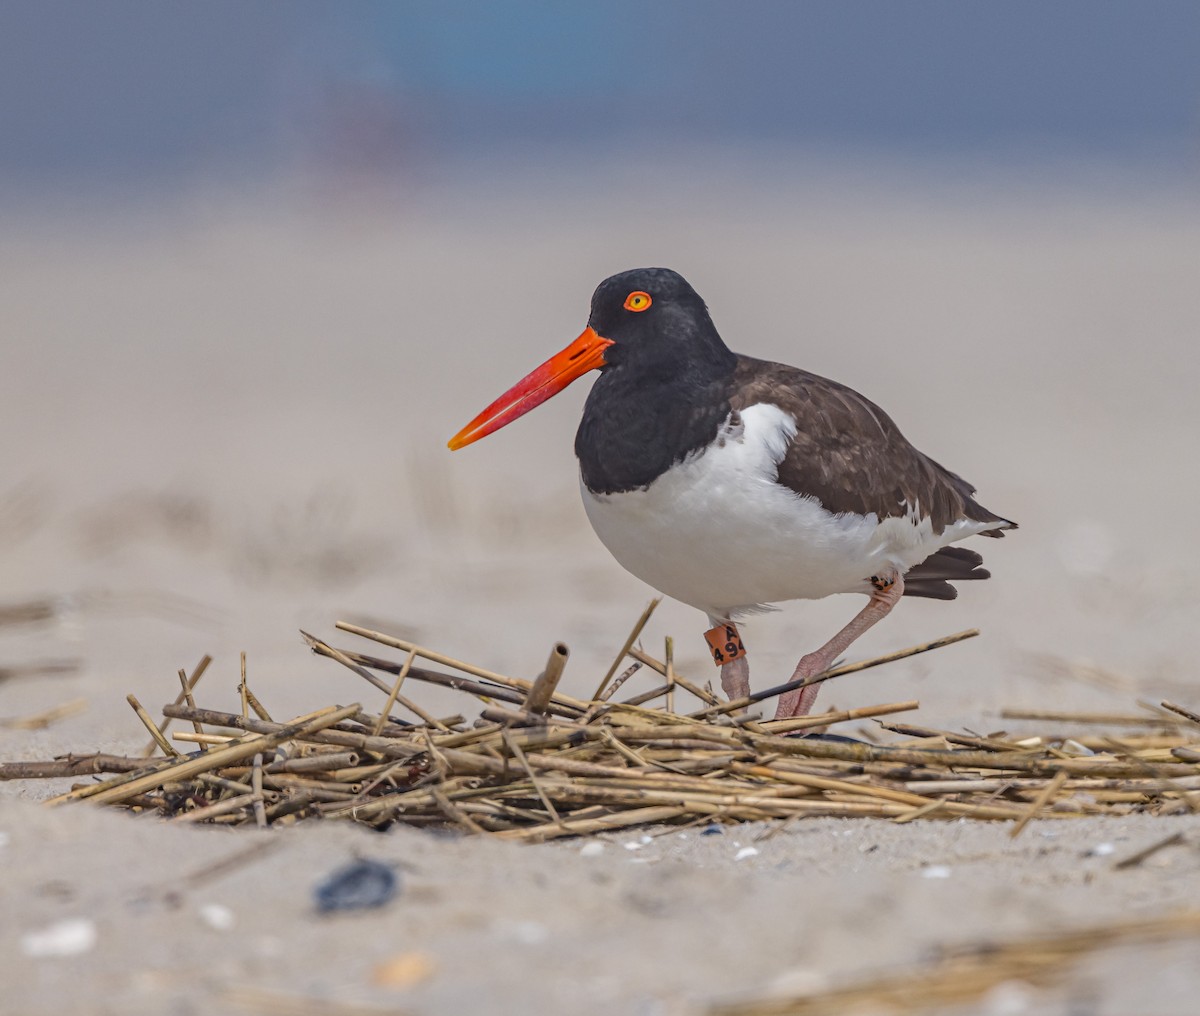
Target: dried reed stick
{"x": 669, "y": 661}
{"x": 485, "y": 692}
{"x": 122, "y": 787}
{"x": 204, "y": 740}
{"x": 394, "y": 693}
{"x": 167, "y": 747}
{"x": 226, "y": 807}
{"x": 362, "y": 672}
{"x": 330, "y": 761}
{"x": 256, "y": 784}
{"x": 41, "y": 720}
{"x": 599, "y": 824}
{"x": 1108, "y": 719}
{"x": 516, "y": 683}
{"x": 393, "y": 747}
{"x": 1039, "y": 802}
{"x": 519, "y": 755}
{"x": 72, "y": 765}
{"x": 849, "y": 668}
{"x": 259, "y": 710}
{"x": 1186, "y": 713}
{"x": 775, "y": 727}
{"x": 634, "y": 633}
{"x": 539, "y": 696}
{"x": 1133, "y": 860}
{"x": 188, "y": 698}
{"x": 613, "y": 688}
{"x": 198, "y": 673}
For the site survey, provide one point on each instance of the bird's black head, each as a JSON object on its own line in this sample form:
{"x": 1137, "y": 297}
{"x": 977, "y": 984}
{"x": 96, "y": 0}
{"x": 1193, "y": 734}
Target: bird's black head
{"x": 648, "y": 329}
{"x": 657, "y": 323}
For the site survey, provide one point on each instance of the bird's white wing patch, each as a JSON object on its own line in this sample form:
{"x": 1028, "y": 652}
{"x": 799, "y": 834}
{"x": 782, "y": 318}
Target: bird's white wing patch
{"x": 777, "y": 429}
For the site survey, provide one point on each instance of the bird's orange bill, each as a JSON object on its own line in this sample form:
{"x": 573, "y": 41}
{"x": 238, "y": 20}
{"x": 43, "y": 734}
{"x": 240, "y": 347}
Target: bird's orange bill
{"x": 584, "y": 354}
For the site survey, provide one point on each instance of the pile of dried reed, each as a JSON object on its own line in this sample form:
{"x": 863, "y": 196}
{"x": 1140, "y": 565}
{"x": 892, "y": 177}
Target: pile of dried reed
{"x": 540, "y": 764}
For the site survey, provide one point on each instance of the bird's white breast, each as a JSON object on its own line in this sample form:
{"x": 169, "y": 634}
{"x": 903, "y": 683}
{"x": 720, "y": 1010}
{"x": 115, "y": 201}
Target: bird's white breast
{"x": 718, "y": 532}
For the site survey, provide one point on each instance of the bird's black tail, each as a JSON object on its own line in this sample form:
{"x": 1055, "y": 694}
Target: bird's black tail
{"x": 932, "y": 577}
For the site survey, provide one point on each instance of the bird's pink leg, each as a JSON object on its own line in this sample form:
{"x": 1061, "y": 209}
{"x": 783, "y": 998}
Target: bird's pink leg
{"x": 888, "y": 590}
{"x": 735, "y": 678}
{"x": 735, "y": 675}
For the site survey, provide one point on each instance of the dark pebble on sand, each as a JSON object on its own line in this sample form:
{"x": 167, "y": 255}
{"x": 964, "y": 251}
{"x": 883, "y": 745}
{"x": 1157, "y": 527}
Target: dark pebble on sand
{"x": 357, "y": 886}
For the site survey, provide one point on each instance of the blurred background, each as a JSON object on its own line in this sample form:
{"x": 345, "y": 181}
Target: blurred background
{"x": 259, "y": 261}
{"x": 133, "y": 96}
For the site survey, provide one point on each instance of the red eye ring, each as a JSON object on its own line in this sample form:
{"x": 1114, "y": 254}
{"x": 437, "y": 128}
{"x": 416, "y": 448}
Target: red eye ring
{"x": 638, "y": 301}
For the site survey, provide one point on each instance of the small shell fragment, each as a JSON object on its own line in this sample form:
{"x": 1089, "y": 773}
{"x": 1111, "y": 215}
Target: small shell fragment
{"x": 71, "y": 937}
{"x": 218, "y": 916}
{"x": 404, "y": 970}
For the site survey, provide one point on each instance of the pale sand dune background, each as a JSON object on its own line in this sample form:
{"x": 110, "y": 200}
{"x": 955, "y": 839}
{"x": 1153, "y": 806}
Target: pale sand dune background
{"x": 224, "y": 419}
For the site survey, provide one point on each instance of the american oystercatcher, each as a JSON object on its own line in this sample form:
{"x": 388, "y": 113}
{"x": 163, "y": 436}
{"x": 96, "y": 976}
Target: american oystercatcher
{"x": 731, "y": 483}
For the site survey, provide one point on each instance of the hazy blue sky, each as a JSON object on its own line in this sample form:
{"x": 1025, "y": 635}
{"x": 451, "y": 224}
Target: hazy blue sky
{"x": 130, "y": 90}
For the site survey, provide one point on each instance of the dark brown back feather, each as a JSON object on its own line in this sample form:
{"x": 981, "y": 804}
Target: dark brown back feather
{"x": 850, "y": 456}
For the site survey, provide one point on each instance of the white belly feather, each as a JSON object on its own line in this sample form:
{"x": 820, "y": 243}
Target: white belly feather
{"x": 719, "y": 533}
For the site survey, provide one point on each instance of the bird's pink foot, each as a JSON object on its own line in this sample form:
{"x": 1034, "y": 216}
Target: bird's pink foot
{"x": 735, "y": 678}
{"x": 799, "y": 701}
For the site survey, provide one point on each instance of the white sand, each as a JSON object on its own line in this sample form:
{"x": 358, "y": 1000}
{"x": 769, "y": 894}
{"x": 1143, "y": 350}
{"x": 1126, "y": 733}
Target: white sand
{"x": 227, "y": 421}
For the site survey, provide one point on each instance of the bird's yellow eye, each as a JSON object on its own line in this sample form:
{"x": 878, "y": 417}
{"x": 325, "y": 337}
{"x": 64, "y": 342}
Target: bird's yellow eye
{"x": 638, "y": 301}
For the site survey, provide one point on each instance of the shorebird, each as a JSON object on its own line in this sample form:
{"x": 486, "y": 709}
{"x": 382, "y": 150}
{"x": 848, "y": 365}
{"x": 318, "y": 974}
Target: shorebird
{"x": 731, "y": 483}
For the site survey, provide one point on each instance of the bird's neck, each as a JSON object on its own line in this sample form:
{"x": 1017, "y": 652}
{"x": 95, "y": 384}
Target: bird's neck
{"x": 638, "y": 422}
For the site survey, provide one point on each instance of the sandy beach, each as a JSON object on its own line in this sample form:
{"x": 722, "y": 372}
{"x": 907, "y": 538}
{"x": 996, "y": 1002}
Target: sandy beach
{"x": 224, "y": 420}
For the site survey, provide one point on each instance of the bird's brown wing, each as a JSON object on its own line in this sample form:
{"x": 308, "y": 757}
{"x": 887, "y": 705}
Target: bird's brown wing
{"x": 850, "y": 456}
